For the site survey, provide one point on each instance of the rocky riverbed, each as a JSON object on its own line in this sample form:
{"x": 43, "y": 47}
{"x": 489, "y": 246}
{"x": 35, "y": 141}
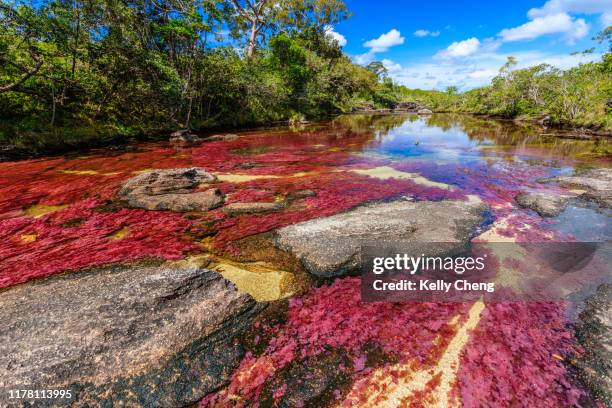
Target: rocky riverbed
{"x": 218, "y": 270}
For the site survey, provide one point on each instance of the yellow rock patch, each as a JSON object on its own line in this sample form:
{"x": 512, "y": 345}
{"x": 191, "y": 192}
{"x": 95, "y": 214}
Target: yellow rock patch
{"x": 38, "y": 210}
{"x": 386, "y": 172}
{"x": 81, "y": 172}
{"x": 90, "y": 172}
{"x": 397, "y": 392}
{"x": 194, "y": 261}
{"x": 258, "y": 280}
{"x": 141, "y": 171}
{"x": 119, "y": 234}
{"x": 241, "y": 178}
{"x": 29, "y": 237}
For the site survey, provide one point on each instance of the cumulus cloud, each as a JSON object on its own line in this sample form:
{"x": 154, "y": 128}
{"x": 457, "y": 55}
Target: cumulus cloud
{"x": 391, "y": 65}
{"x": 385, "y": 41}
{"x": 476, "y": 70}
{"x": 329, "y": 30}
{"x": 425, "y": 33}
{"x": 606, "y": 19}
{"x": 560, "y": 23}
{"x": 571, "y": 6}
{"x": 460, "y": 48}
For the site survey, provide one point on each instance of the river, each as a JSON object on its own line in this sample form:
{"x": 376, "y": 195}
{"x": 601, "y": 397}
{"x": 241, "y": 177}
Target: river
{"x": 62, "y": 214}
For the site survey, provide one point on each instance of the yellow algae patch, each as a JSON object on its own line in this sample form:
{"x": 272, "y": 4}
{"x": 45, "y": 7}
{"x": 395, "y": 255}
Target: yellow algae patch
{"x": 393, "y": 391}
{"x": 119, "y": 234}
{"x": 29, "y": 237}
{"x": 263, "y": 283}
{"x": 141, "y": 171}
{"x": 194, "y": 261}
{"x": 38, "y": 210}
{"x": 386, "y": 172}
{"x": 81, "y": 172}
{"x": 241, "y": 178}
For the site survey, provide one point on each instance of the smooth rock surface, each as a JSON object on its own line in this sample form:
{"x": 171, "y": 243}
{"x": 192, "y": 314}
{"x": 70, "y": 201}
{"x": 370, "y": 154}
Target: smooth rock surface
{"x": 594, "y": 332}
{"x": 596, "y": 182}
{"x": 331, "y": 246}
{"x": 171, "y": 190}
{"x": 424, "y": 111}
{"x": 158, "y": 336}
{"x": 545, "y": 204}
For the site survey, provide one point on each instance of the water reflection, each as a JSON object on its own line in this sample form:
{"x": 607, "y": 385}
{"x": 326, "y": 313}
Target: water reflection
{"x": 456, "y": 137}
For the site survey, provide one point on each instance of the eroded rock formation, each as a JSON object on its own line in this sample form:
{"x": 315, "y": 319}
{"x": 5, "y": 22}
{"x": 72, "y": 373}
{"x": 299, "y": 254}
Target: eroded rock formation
{"x": 156, "y": 336}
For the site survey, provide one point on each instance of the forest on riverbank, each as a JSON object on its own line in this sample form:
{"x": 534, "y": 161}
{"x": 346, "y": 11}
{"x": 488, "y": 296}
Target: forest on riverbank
{"x": 80, "y": 72}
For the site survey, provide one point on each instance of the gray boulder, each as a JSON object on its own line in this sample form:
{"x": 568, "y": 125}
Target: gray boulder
{"x": 424, "y": 111}
{"x": 331, "y": 246}
{"x": 545, "y": 204}
{"x": 154, "y": 336}
{"x": 184, "y": 136}
{"x": 171, "y": 189}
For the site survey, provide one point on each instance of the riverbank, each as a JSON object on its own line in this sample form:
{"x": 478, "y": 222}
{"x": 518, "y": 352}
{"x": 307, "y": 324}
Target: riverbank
{"x": 36, "y": 145}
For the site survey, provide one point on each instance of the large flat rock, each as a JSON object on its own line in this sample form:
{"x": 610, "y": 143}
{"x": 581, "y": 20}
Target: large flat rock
{"x": 156, "y": 336}
{"x": 331, "y": 246}
{"x": 545, "y": 204}
{"x": 597, "y": 184}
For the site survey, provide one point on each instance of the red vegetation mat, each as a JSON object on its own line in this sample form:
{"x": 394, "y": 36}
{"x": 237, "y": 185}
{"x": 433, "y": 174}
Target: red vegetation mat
{"x": 509, "y": 360}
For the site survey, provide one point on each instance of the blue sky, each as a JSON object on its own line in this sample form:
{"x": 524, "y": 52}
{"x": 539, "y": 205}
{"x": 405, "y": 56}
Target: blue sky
{"x": 433, "y": 44}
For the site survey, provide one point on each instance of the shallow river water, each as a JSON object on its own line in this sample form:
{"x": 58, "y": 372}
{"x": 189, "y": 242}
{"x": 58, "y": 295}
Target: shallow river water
{"x": 62, "y": 214}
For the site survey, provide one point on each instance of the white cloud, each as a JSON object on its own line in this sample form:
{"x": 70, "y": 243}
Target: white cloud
{"x": 391, "y": 65}
{"x": 363, "y": 59}
{"x": 385, "y": 41}
{"x": 329, "y": 30}
{"x": 571, "y": 6}
{"x": 560, "y": 23}
{"x": 478, "y": 69}
{"x": 460, "y": 48}
{"x": 606, "y": 19}
{"x": 425, "y": 33}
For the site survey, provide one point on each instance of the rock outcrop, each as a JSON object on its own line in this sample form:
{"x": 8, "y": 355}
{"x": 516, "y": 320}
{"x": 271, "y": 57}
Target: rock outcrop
{"x": 594, "y": 332}
{"x": 157, "y": 336}
{"x": 331, "y": 246}
{"x": 545, "y": 204}
{"x": 172, "y": 190}
{"x": 424, "y": 111}
{"x": 184, "y": 136}
{"x": 597, "y": 184}
{"x": 406, "y": 106}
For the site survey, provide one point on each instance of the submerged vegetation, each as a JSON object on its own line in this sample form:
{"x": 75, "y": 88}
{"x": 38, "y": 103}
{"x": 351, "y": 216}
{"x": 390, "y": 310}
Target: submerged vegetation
{"x": 75, "y": 73}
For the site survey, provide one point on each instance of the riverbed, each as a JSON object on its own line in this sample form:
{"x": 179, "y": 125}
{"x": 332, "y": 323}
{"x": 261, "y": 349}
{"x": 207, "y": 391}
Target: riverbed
{"x": 63, "y": 214}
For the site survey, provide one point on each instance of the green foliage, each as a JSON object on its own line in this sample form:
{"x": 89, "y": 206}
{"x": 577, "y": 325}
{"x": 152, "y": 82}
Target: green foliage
{"x": 79, "y": 71}
{"x": 139, "y": 67}
{"x": 574, "y": 97}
